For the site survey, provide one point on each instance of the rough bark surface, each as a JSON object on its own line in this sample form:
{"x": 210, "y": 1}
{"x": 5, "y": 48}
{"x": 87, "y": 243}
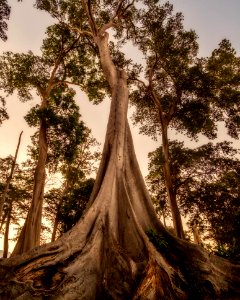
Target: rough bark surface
{"x": 108, "y": 254}
{"x": 176, "y": 216}
{"x": 30, "y": 233}
{"x": 6, "y": 233}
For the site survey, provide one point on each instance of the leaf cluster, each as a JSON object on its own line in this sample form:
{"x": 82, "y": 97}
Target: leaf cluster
{"x": 4, "y": 16}
{"x": 65, "y": 130}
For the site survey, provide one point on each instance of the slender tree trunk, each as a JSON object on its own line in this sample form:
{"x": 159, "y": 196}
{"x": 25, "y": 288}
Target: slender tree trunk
{"x": 4, "y": 216}
{"x": 67, "y": 186}
{"x": 177, "y": 221}
{"x": 6, "y": 233}
{"x": 30, "y": 233}
{"x": 196, "y": 235}
{"x": 3, "y": 198}
{"x": 164, "y": 219}
{"x": 55, "y": 226}
{"x": 56, "y": 220}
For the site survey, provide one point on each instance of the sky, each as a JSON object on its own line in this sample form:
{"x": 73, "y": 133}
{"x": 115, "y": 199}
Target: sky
{"x": 213, "y": 20}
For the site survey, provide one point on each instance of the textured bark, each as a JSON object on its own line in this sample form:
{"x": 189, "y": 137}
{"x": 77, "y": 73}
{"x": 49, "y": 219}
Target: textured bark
{"x": 3, "y": 198}
{"x": 196, "y": 235}
{"x": 55, "y": 224}
{"x": 30, "y": 233}
{"x": 177, "y": 221}
{"x": 6, "y": 233}
{"x": 164, "y": 123}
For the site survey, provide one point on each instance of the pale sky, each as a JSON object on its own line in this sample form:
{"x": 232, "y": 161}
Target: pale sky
{"x": 213, "y": 20}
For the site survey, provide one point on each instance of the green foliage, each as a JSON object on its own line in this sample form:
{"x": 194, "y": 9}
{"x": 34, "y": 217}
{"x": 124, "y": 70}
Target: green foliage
{"x": 4, "y": 15}
{"x": 3, "y": 111}
{"x": 158, "y": 240}
{"x": 174, "y": 76}
{"x": 206, "y": 182}
{"x": 76, "y": 188}
{"x": 22, "y": 72}
{"x": 231, "y": 252}
{"x": 19, "y": 193}
{"x": 74, "y": 204}
{"x": 223, "y": 67}
{"x": 65, "y": 130}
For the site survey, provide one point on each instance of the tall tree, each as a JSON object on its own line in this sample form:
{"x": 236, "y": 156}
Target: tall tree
{"x": 223, "y": 69}
{"x": 18, "y": 197}
{"x": 48, "y": 75}
{"x": 75, "y": 174}
{"x": 4, "y": 15}
{"x": 107, "y": 254}
{"x": 205, "y": 182}
{"x": 3, "y": 197}
{"x": 167, "y": 98}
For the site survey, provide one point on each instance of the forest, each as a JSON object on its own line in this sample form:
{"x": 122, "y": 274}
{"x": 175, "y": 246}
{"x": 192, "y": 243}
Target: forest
{"x": 86, "y": 223}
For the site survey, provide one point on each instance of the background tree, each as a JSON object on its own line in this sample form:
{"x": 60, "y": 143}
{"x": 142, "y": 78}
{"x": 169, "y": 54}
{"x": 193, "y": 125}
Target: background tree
{"x": 4, "y": 15}
{"x": 49, "y": 75}
{"x": 75, "y": 174}
{"x": 223, "y": 69}
{"x": 205, "y": 181}
{"x": 179, "y": 90}
{"x": 9, "y": 178}
{"x": 167, "y": 98}
{"x": 3, "y": 111}
{"x": 109, "y": 250}
{"x": 18, "y": 197}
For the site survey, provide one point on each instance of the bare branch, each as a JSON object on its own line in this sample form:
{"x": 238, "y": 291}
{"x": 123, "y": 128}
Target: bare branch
{"x": 90, "y": 17}
{"x": 138, "y": 80}
{"x": 119, "y": 13}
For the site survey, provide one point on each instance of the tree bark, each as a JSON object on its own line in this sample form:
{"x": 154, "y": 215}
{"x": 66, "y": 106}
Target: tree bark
{"x": 177, "y": 221}
{"x": 196, "y": 235}
{"x": 3, "y": 199}
{"x": 30, "y": 233}
{"x": 67, "y": 186}
{"x": 6, "y": 233}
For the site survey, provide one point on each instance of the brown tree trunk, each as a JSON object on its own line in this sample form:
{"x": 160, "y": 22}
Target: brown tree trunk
{"x": 56, "y": 220}
{"x": 196, "y": 235}
{"x": 67, "y": 186}
{"x": 3, "y": 198}
{"x": 30, "y": 233}
{"x": 6, "y": 233}
{"x": 177, "y": 221}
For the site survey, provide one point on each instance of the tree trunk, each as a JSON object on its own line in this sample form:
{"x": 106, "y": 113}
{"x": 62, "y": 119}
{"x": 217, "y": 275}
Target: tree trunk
{"x": 56, "y": 220}
{"x": 67, "y": 186}
{"x": 55, "y": 225}
{"x": 196, "y": 235}
{"x": 6, "y": 233}
{"x": 30, "y": 233}
{"x": 177, "y": 221}
{"x": 3, "y": 198}
{"x": 108, "y": 253}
